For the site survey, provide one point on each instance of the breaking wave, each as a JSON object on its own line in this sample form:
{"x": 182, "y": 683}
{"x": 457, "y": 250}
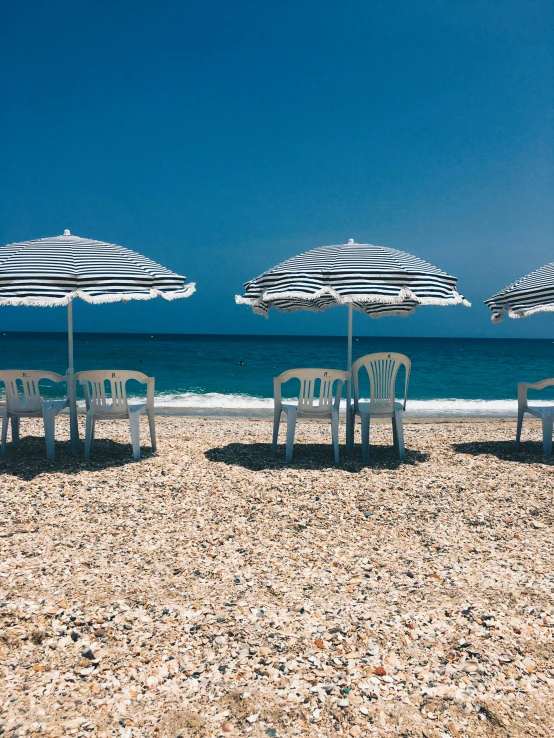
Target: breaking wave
{"x": 219, "y": 404}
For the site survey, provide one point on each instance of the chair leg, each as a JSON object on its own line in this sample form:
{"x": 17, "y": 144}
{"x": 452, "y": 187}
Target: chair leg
{"x": 134, "y": 423}
{"x": 394, "y": 435}
{"x": 335, "y": 434}
{"x": 547, "y": 436}
{"x": 400, "y": 435}
{"x": 518, "y": 429}
{"x": 92, "y": 434}
{"x": 365, "y": 437}
{"x": 349, "y": 429}
{"x": 15, "y": 431}
{"x": 5, "y": 423}
{"x": 351, "y": 435}
{"x": 291, "y": 427}
{"x": 276, "y": 422}
{"x": 152, "y": 425}
{"x": 49, "y": 419}
{"x": 88, "y": 436}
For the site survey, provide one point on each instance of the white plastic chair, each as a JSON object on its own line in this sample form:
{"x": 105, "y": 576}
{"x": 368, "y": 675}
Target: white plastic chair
{"x": 310, "y": 405}
{"x": 114, "y": 405}
{"x": 382, "y": 370}
{"x": 545, "y": 413}
{"x": 23, "y": 400}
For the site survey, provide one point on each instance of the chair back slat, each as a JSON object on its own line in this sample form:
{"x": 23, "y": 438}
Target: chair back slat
{"x": 106, "y": 391}
{"x": 382, "y": 370}
{"x": 23, "y": 390}
{"x": 316, "y": 395}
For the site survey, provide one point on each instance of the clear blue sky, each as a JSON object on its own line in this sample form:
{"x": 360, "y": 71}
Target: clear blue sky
{"x": 220, "y": 138}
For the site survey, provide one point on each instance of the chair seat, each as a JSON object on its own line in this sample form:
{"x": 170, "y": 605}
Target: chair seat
{"x": 364, "y": 408}
{"x": 541, "y": 411}
{"x": 99, "y": 414}
{"x": 21, "y": 413}
{"x": 315, "y": 412}
{"x": 55, "y": 405}
{"x": 47, "y": 406}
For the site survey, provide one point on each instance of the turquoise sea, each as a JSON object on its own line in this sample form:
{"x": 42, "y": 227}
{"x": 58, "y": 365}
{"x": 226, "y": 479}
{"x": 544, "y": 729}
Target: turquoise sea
{"x": 203, "y": 373}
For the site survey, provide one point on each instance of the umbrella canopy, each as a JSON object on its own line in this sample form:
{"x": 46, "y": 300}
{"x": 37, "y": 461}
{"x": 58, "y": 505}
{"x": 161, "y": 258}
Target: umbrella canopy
{"x": 529, "y": 295}
{"x": 375, "y": 280}
{"x": 53, "y": 271}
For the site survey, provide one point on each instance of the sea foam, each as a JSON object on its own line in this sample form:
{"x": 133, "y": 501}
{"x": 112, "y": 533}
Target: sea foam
{"x": 217, "y": 403}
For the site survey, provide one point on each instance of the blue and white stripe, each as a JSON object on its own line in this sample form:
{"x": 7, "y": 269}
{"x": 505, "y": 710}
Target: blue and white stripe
{"x": 376, "y": 280}
{"x": 54, "y": 271}
{"x": 529, "y": 295}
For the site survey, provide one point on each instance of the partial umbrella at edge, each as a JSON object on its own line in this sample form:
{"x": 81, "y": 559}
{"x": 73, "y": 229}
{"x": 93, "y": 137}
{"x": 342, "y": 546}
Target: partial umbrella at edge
{"x": 48, "y": 272}
{"x": 531, "y": 294}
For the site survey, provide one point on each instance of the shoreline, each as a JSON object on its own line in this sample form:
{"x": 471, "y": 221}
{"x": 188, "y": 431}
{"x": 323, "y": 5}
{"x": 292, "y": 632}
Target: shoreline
{"x": 168, "y": 411}
{"x": 248, "y": 414}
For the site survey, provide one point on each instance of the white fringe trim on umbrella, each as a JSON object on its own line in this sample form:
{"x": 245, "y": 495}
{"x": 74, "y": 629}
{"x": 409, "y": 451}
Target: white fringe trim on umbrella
{"x": 498, "y": 314}
{"x": 186, "y": 291}
{"x": 404, "y": 295}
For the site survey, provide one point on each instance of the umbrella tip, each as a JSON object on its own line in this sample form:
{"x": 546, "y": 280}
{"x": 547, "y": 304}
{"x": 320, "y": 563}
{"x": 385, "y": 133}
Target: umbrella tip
{"x": 67, "y": 232}
{"x": 350, "y": 240}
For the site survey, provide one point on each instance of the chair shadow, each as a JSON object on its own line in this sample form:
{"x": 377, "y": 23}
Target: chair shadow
{"x": 529, "y": 452}
{"x": 259, "y": 456}
{"x": 30, "y": 460}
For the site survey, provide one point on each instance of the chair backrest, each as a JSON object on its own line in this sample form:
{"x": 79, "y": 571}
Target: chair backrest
{"x": 23, "y": 391}
{"x": 316, "y": 394}
{"x": 382, "y": 369}
{"x": 105, "y": 390}
{"x": 522, "y": 389}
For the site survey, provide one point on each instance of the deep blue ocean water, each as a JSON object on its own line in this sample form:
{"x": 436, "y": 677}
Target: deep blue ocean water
{"x": 449, "y": 375}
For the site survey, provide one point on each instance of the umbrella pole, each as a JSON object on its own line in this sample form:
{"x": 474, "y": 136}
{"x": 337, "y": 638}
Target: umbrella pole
{"x": 349, "y": 419}
{"x": 73, "y": 426}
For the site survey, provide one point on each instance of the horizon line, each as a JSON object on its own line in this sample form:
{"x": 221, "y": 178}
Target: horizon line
{"x": 148, "y": 334}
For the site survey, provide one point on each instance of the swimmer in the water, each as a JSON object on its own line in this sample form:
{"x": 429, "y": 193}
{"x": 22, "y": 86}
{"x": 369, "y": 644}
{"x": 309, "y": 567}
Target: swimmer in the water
{"x": 241, "y": 363}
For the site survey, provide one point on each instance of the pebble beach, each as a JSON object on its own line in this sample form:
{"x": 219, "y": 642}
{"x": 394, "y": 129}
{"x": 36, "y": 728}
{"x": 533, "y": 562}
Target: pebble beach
{"x": 212, "y": 589}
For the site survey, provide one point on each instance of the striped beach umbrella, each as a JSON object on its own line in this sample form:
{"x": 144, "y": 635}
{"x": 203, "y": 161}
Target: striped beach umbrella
{"x": 374, "y": 280}
{"x": 50, "y": 272}
{"x": 529, "y": 295}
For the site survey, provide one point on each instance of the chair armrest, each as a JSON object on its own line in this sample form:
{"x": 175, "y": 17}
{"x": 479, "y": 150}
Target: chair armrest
{"x": 338, "y": 394}
{"x": 54, "y": 377}
{"x": 355, "y": 379}
{"x": 277, "y": 401}
{"x": 408, "y": 369}
{"x": 342, "y": 377}
{"x": 54, "y": 405}
{"x": 142, "y": 407}
{"x": 523, "y": 387}
{"x": 84, "y": 384}
{"x": 150, "y": 383}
